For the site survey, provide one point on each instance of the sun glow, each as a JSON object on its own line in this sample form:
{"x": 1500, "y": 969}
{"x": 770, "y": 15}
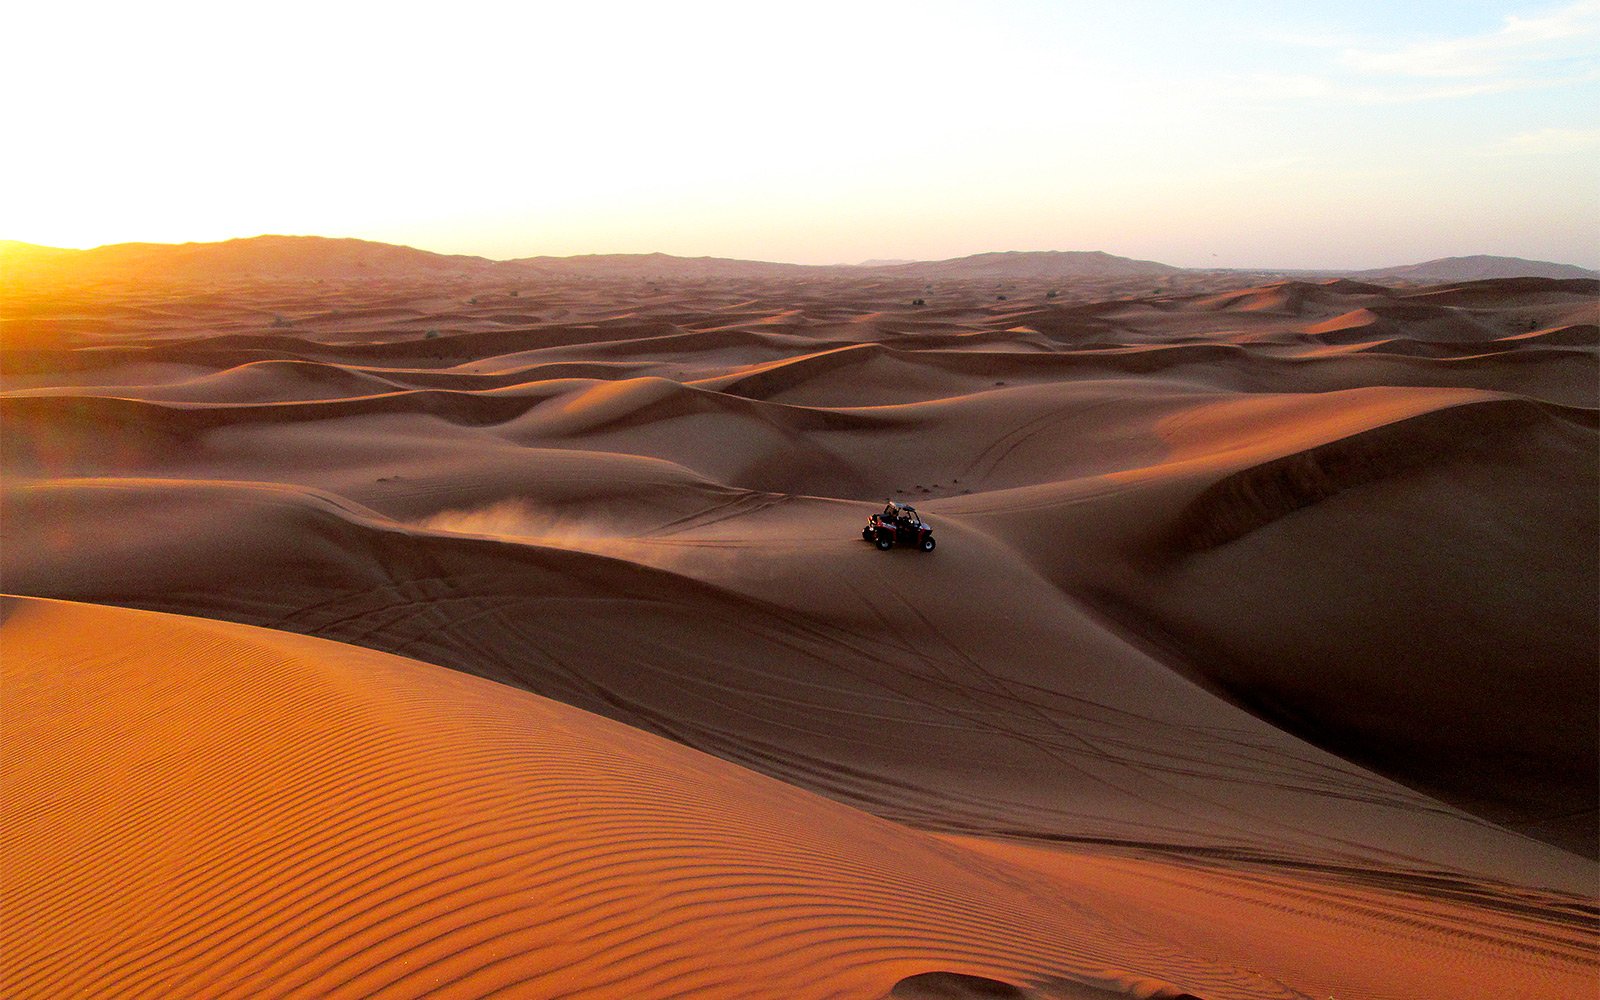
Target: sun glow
{"x": 819, "y": 133}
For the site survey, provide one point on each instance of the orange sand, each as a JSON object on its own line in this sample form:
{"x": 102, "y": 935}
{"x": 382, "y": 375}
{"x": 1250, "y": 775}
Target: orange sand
{"x": 1258, "y": 656}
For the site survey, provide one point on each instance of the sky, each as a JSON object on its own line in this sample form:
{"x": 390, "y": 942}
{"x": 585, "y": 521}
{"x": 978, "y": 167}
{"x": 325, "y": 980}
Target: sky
{"x": 1223, "y": 134}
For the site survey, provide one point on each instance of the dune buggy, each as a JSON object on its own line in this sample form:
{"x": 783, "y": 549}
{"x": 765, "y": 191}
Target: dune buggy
{"x": 898, "y": 524}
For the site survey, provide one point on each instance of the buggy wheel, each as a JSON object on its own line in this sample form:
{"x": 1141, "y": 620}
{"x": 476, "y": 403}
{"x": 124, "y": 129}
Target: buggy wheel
{"x": 927, "y": 544}
{"x": 885, "y": 542}
{"x": 866, "y": 534}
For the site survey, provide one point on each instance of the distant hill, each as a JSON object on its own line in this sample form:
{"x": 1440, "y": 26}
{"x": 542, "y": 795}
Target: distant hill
{"x": 257, "y": 257}
{"x": 13, "y": 250}
{"x": 316, "y": 257}
{"x": 1476, "y": 268}
{"x": 655, "y": 265}
{"x": 1030, "y": 264}
{"x": 1005, "y": 266}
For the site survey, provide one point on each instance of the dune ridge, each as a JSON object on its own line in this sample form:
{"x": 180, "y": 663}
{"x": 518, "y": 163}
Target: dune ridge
{"x": 1247, "y": 500}
{"x": 401, "y": 830}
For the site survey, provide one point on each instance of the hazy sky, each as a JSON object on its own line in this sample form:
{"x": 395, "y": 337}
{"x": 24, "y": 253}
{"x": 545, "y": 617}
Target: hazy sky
{"x": 1342, "y": 134}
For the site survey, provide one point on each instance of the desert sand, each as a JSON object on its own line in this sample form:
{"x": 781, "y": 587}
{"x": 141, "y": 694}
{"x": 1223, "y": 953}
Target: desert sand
{"x": 476, "y": 633}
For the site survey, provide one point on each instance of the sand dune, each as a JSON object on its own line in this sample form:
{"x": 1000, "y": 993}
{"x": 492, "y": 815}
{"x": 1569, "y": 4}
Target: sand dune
{"x": 1262, "y": 606}
{"x": 243, "y": 812}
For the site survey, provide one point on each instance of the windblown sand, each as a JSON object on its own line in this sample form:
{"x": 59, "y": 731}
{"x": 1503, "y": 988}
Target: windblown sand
{"x": 527, "y": 645}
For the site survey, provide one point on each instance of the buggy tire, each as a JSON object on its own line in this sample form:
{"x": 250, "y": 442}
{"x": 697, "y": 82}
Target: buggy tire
{"x": 866, "y": 534}
{"x": 885, "y": 543}
{"x": 927, "y": 544}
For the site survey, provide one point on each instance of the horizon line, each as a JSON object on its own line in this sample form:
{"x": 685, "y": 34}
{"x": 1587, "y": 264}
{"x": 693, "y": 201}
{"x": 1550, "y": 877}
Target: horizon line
{"x": 867, "y": 263}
